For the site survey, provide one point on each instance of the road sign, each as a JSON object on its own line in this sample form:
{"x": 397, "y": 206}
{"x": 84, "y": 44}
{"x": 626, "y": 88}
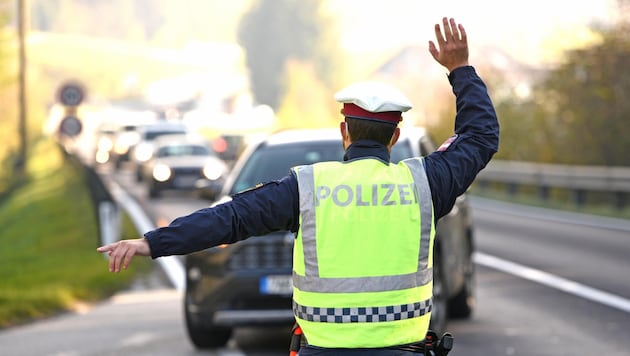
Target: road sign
{"x": 70, "y": 126}
{"x": 71, "y": 94}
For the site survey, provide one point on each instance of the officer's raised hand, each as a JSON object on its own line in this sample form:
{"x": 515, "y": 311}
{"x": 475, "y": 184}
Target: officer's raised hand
{"x": 452, "y": 46}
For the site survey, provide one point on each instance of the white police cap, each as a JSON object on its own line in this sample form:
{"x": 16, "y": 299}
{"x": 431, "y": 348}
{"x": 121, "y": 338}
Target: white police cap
{"x": 371, "y": 100}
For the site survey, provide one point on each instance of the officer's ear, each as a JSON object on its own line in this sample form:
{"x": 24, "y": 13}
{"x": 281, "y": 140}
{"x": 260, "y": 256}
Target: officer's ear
{"x": 345, "y": 134}
{"x": 394, "y": 138}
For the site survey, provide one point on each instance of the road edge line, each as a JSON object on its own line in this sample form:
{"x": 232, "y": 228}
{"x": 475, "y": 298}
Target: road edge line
{"x": 553, "y": 281}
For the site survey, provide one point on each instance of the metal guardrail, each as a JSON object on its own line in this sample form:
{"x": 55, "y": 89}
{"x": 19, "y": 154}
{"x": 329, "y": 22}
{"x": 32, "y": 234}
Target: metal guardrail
{"x": 107, "y": 211}
{"x": 578, "y": 179}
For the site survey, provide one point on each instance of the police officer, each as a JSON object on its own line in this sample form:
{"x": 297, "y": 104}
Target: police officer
{"x": 366, "y": 205}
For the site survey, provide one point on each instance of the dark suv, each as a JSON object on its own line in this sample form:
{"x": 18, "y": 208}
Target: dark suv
{"x": 249, "y": 283}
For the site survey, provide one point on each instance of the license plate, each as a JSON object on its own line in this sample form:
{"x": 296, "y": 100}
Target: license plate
{"x": 185, "y": 181}
{"x": 277, "y": 284}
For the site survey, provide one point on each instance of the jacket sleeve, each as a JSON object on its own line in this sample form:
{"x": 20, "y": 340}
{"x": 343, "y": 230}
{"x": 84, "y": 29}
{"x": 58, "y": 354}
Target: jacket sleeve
{"x": 273, "y": 206}
{"x": 453, "y": 167}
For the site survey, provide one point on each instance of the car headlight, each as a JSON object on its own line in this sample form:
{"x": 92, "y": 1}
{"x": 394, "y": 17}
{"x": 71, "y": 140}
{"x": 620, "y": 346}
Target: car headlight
{"x": 161, "y": 172}
{"x": 102, "y": 156}
{"x": 105, "y": 144}
{"x": 143, "y": 152}
{"x": 212, "y": 171}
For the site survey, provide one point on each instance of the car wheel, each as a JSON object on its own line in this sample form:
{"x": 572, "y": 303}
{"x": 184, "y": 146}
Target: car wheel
{"x": 463, "y": 303}
{"x": 439, "y": 312}
{"x": 202, "y": 335}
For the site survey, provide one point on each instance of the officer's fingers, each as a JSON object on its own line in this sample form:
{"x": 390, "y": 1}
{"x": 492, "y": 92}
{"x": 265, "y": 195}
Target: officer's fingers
{"x": 128, "y": 256}
{"x": 454, "y": 29}
{"x": 106, "y": 248}
{"x": 438, "y": 35}
{"x": 117, "y": 257}
{"x": 462, "y": 33}
{"x": 433, "y": 50}
{"x": 448, "y": 33}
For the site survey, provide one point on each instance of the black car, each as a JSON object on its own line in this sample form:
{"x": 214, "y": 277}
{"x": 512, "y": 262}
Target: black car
{"x": 249, "y": 283}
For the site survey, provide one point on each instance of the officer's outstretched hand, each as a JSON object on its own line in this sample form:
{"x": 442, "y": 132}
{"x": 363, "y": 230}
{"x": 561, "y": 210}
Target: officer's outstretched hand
{"x": 121, "y": 252}
{"x": 452, "y": 46}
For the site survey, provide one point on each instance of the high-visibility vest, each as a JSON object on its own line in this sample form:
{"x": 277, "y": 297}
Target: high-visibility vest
{"x": 362, "y": 262}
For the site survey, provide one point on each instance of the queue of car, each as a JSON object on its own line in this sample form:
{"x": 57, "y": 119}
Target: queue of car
{"x": 161, "y": 153}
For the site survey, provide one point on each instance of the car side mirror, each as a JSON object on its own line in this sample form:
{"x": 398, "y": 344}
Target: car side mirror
{"x": 208, "y": 189}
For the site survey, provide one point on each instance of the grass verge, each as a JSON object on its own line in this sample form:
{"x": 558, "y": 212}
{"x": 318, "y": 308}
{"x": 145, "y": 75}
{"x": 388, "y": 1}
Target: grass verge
{"x": 49, "y": 235}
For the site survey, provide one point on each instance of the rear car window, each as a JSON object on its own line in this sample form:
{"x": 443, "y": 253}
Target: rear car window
{"x": 270, "y": 163}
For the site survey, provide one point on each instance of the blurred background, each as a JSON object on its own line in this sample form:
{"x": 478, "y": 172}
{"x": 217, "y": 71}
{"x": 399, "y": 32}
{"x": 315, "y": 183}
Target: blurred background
{"x": 557, "y": 71}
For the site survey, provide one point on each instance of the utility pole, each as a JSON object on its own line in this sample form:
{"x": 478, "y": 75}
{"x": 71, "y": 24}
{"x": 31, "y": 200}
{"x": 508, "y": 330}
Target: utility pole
{"x": 20, "y": 164}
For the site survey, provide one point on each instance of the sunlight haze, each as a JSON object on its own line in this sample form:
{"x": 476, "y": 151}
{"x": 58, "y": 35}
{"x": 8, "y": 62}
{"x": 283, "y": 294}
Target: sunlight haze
{"x": 523, "y": 29}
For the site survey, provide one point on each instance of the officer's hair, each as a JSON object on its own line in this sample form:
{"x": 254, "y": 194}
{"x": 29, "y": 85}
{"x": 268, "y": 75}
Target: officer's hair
{"x": 380, "y": 132}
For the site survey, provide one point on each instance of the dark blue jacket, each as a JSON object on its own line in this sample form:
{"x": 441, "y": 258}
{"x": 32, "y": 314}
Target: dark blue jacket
{"x": 274, "y": 206}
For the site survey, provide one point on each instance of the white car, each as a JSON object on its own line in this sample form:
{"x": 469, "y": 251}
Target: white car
{"x": 142, "y": 151}
{"x": 178, "y": 162}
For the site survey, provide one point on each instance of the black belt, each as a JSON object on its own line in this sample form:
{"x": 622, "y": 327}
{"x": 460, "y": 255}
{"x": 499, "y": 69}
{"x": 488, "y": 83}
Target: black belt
{"x": 431, "y": 345}
{"x": 415, "y": 347}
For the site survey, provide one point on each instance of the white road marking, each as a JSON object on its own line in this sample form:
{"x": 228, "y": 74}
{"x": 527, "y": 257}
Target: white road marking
{"x": 139, "y": 339}
{"x": 173, "y": 268}
{"x": 553, "y": 281}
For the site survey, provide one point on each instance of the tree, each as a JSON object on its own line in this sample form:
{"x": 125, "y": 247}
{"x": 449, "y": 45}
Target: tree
{"x": 274, "y": 31}
{"x": 587, "y": 102}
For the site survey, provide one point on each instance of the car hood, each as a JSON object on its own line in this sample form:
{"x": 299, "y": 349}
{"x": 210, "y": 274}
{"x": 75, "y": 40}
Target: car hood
{"x": 190, "y": 161}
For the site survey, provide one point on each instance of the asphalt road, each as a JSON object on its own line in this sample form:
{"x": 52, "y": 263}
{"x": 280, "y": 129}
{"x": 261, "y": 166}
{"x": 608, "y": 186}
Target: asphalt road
{"x": 547, "y": 284}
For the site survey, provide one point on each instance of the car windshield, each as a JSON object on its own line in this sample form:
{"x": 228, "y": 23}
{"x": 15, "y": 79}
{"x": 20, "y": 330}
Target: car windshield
{"x": 270, "y": 163}
{"x": 152, "y": 135}
{"x": 183, "y": 150}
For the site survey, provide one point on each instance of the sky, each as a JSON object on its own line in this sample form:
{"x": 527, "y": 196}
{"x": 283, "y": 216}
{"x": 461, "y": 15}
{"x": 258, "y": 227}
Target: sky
{"x": 532, "y": 30}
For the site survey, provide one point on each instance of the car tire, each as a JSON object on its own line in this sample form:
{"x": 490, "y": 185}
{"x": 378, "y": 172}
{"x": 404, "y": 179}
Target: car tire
{"x": 202, "y": 335}
{"x": 439, "y": 312}
{"x": 461, "y": 306}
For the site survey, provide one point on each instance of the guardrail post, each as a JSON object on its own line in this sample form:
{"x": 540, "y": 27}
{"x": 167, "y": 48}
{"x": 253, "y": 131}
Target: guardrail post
{"x": 620, "y": 200}
{"x": 543, "y": 192}
{"x": 108, "y": 213}
{"x": 579, "y": 196}
{"x": 512, "y": 188}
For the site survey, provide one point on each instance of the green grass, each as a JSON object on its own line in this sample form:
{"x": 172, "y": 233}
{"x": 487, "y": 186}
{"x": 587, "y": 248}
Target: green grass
{"x": 48, "y": 261}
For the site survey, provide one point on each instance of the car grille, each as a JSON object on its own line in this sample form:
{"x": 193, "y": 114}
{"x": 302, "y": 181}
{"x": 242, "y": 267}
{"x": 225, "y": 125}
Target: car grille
{"x": 187, "y": 171}
{"x": 265, "y": 252}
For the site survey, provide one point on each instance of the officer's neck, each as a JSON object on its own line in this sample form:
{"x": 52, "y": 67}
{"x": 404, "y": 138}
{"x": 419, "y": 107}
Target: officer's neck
{"x": 366, "y": 148}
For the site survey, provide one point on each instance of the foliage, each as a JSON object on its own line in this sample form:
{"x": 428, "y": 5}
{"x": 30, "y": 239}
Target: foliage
{"x": 8, "y": 100}
{"x": 159, "y": 22}
{"x": 307, "y": 102}
{"x": 49, "y": 236}
{"x": 274, "y": 31}
{"x": 590, "y": 107}
{"x": 578, "y": 113}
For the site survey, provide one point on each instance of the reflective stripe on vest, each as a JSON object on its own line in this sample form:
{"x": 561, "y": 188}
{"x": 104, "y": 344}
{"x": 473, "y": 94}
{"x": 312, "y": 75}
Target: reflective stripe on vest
{"x": 363, "y": 314}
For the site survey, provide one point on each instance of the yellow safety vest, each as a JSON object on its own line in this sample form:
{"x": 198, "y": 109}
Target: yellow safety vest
{"x": 362, "y": 262}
